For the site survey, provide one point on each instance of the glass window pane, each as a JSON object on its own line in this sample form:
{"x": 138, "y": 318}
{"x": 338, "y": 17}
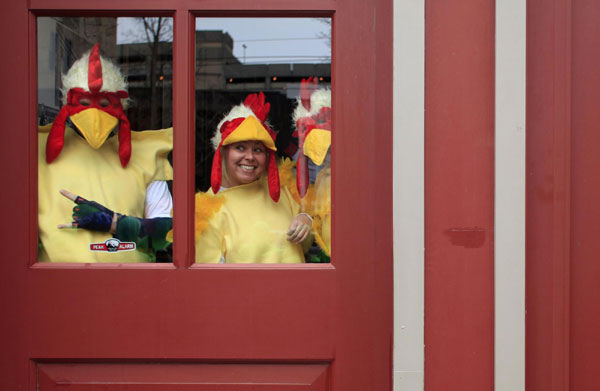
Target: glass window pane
{"x": 105, "y": 139}
{"x": 263, "y": 136}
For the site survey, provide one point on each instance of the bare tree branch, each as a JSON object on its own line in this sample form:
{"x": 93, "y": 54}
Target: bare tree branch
{"x": 156, "y": 30}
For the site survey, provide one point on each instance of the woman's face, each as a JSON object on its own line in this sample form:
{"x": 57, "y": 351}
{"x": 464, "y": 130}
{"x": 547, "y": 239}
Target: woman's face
{"x": 245, "y": 162}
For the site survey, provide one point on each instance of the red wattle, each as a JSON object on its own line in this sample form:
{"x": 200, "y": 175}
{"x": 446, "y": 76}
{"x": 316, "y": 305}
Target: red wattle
{"x": 273, "y": 177}
{"x": 56, "y": 137}
{"x": 302, "y": 173}
{"x": 216, "y": 172}
{"x": 124, "y": 140}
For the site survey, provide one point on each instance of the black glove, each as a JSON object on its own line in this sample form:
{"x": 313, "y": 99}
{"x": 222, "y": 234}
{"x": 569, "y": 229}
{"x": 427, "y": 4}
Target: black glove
{"x": 91, "y": 215}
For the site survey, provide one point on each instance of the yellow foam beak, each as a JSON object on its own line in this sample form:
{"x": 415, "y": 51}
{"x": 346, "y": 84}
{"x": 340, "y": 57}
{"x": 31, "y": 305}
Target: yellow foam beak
{"x": 251, "y": 129}
{"x": 316, "y": 145}
{"x": 95, "y": 125}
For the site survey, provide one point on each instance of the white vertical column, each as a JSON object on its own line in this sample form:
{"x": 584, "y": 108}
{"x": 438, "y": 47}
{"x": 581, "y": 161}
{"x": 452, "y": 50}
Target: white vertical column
{"x": 510, "y": 196}
{"x": 409, "y": 223}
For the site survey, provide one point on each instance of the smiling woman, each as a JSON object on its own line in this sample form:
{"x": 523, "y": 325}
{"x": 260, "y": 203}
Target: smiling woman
{"x": 252, "y": 219}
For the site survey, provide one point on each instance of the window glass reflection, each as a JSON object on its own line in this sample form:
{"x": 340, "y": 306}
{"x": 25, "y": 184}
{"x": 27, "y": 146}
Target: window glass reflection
{"x": 104, "y": 179}
{"x": 263, "y": 136}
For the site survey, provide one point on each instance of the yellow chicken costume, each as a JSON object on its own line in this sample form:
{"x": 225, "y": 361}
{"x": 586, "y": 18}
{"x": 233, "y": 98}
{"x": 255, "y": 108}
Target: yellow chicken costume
{"x": 113, "y": 171}
{"x": 246, "y": 223}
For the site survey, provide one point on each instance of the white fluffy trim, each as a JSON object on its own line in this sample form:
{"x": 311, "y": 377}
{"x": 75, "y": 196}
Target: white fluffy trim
{"x": 319, "y": 99}
{"x": 77, "y": 76}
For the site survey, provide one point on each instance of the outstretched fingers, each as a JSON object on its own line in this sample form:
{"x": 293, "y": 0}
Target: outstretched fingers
{"x": 73, "y": 198}
{"x": 68, "y": 194}
{"x": 69, "y": 225}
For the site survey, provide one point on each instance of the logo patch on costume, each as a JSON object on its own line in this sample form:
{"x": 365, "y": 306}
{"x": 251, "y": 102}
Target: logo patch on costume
{"x": 112, "y": 246}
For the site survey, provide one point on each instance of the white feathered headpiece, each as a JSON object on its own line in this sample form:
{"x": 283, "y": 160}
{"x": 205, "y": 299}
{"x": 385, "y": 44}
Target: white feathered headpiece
{"x": 77, "y": 77}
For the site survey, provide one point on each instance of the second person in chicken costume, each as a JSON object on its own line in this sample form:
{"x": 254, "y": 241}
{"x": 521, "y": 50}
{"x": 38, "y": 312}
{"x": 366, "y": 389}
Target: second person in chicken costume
{"x": 89, "y": 149}
{"x": 312, "y": 117}
{"x": 246, "y": 216}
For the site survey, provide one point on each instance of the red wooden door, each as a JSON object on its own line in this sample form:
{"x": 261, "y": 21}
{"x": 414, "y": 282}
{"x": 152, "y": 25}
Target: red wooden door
{"x": 186, "y": 326}
{"x": 563, "y": 164}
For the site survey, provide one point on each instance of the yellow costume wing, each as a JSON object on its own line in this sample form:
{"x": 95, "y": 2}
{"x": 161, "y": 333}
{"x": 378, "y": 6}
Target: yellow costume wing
{"x": 207, "y": 205}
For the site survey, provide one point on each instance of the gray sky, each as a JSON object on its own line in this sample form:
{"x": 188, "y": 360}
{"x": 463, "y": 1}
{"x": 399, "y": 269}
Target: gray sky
{"x": 267, "y": 40}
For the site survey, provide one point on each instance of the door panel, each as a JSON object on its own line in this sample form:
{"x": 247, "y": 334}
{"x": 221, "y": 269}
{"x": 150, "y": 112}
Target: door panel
{"x": 301, "y": 327}
{"x": 182, "y": 377}
{"x": 290, "y": 319}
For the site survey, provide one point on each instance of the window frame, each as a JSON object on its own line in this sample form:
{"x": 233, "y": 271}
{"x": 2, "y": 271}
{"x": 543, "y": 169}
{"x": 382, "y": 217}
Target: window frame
{"x": 184, "y": 103}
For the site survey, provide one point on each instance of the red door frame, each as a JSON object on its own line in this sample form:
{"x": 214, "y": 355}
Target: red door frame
{"x": 339, "y": 314}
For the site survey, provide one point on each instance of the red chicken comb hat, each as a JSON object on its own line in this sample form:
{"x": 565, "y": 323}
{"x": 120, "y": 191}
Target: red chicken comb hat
{"x": 246, "y": 122}
{"x": 102, "y": 87}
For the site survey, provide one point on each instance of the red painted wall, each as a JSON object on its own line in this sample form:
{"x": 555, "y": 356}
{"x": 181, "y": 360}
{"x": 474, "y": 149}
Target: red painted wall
{"x": 585, "y": 197}
{"x": 459, "y": 194}
{"x": 548, "y": 198}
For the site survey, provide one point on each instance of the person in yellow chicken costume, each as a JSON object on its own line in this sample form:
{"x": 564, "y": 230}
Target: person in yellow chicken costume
{"x": 100, "y": 158}
{"x": 246, "y": 216}
{"x": 312, "y": 118}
